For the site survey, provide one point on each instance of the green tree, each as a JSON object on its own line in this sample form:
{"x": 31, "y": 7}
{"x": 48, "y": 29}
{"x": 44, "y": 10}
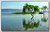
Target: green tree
{"x": 32, "y": 7}
{"x": 44, "y": 9}
{"x": 36, "y": 9}
{"x": 25, "y": 7}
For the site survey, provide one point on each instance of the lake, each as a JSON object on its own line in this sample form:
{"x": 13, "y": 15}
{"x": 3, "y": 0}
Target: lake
{"x": 14, "y": 22}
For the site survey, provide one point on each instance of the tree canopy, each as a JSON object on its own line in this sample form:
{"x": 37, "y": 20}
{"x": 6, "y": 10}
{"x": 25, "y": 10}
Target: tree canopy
{"x": 35, "y": 8}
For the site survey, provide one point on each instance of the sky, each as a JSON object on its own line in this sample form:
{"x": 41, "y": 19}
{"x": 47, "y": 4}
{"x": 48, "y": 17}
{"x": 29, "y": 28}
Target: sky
{"x": 19, "y": 5}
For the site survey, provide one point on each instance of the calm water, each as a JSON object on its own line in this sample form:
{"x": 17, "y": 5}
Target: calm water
{"x": 15, "y": 21}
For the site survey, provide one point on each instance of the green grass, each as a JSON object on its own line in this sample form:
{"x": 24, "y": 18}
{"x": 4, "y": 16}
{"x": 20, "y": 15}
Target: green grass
{"x": 24, "y": 13}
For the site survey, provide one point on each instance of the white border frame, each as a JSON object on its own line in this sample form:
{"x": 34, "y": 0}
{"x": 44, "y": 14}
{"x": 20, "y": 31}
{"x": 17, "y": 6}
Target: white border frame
{"x": 30, "y": 1}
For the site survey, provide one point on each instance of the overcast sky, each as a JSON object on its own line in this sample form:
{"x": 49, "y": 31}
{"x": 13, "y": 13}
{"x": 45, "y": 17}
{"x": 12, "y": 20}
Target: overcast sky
{"x": 19, "y": 5}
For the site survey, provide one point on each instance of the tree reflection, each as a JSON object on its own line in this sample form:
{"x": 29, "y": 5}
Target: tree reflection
{"x": 30, "y": 25}
{"x": 44, "y": 19}
{"x": 32, "y": 16}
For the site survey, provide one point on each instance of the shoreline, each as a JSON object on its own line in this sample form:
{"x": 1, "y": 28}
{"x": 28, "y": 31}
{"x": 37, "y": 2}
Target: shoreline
{"x": 26, "y": 13}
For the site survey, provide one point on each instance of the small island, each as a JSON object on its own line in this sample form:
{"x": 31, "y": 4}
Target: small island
{"x": 24, "y": 13}
{"x": 31, "y": 9}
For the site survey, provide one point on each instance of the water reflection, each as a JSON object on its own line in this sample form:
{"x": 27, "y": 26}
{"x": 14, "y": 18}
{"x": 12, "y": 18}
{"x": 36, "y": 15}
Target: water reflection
{"x": 44, "y": 19}
{"x": 30, "y": 24}
{"x": 23, "y": 22}
{"x": 32, "y": 17}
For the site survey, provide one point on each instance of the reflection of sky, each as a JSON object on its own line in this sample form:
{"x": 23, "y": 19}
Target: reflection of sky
{"x": 19, "y": 5}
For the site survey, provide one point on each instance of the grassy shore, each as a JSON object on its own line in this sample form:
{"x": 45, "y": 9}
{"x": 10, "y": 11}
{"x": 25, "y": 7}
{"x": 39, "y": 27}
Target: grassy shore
{"x": 24, "y": 13}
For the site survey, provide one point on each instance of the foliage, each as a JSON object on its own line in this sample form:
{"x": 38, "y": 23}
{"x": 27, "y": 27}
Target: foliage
{"x": 44, "y": 8}
{"x": 35, "y": 8}
{"x": 44, "y": 19}
{"x": 30, "y": 25}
